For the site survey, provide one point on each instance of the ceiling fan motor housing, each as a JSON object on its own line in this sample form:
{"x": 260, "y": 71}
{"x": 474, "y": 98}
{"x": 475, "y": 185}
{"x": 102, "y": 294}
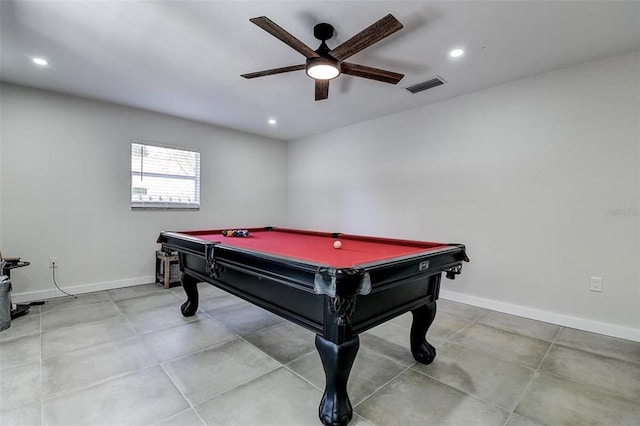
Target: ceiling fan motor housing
{"x": 323, "y": 31}
{"x": 331, "y": 65}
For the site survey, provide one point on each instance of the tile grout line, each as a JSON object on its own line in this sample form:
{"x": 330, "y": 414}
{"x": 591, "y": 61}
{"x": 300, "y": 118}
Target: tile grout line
{"x": 570, "y": 345}
{"x": 181, "y": 394}
{"x": 121, "y": 313}
{"x": 237, "y": 337}
{"x": 135, "y": 336}
{"x": 476, "y": 397}
{"x": 130, "y": 372}
{"x": 502, "y": 330}
{"x": 91, "y": 320}
{"x": 51, "y": 302}
{"x": 299, "y": 376}
{"x": 384, "y": 384}
{"x": 180, "y": 412}
{"x": 472, "y": 322}
{"x": 377, "y": 390}
{"x": 98, "y": 382}
{"x": 533, "y": 376}
{"x": 476, "y": 321}
{"x": 410, "y": 367}
{"x": 577, "y": 382}
{"x": 238, "y": 386}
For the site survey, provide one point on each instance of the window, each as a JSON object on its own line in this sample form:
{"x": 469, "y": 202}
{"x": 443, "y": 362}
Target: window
{"x": 164, "y": 177}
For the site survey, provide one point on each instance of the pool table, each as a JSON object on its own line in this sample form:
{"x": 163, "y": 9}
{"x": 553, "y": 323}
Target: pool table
{"x": 335, "y": 292}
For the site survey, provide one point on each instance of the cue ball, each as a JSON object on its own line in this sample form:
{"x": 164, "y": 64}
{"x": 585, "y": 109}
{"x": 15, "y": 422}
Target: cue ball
{"x": 337, "y": 244}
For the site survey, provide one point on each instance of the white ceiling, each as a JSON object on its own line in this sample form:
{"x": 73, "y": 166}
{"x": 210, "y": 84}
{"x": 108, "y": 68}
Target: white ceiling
{"x": 185, "y": 57}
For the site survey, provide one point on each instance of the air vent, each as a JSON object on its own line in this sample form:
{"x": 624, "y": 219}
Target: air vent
{"x": 429, "y": 84}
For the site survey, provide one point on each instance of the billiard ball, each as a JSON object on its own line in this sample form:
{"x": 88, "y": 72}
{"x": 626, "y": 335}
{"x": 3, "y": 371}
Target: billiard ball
{"x": 337, "y": 244}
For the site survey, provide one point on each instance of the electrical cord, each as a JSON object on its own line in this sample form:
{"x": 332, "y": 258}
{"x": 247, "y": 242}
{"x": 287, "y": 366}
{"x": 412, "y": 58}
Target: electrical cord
{"x": 56, "y": 284}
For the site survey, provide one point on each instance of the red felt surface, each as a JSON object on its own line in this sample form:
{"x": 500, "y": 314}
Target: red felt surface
{"x": 318, "y": 248}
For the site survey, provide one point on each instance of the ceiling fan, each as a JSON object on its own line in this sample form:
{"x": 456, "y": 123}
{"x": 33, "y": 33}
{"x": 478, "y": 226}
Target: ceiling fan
{"x": 324, "y": 64}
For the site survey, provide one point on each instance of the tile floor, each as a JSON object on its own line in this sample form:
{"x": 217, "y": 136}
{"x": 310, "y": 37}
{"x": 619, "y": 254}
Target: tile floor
{"x": 128, "y": 357}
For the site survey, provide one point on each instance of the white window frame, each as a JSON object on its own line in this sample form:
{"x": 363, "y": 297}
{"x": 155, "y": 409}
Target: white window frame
{"x": 164, "y": 205}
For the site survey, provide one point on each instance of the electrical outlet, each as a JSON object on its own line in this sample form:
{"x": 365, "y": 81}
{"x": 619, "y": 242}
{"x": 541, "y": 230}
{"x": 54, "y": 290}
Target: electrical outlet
{"x": 596, "y": 284}
{"x": 53, "y": 262}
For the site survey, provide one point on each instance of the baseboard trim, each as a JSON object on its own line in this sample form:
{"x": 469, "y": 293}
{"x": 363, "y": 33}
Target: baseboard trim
{"x": 545, "y": 316}
{"x": 507, "y": 308}
{"x": 80, "y": 289}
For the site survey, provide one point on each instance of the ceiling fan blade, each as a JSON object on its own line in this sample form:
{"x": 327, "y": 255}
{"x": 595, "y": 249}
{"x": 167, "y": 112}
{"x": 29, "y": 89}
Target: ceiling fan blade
{"x": 365, "y": 38}
{"x": 274, "y": 71}
{"x": 371, "y": 73}
{"x": 322, "y": 89}
{"x": 277, "y": 31}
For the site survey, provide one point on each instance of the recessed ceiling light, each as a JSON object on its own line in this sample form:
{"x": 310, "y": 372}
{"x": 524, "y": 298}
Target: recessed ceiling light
{"x": 40, "y": 61}
{"x": 272, "y": 121}
{"x": 456, "y": 53}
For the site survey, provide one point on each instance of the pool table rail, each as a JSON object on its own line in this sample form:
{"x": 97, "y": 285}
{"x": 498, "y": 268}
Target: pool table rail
{"x": 272, "y": 282}
{"x": 360, "y": 279}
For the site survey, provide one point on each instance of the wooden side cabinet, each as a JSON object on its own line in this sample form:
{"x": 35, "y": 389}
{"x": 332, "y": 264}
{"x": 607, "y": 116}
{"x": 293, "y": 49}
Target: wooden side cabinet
{"x": 167, "y": 269}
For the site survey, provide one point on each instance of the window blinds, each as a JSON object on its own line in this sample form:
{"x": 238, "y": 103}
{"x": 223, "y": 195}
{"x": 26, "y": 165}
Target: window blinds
{"x": 164, "y": 177}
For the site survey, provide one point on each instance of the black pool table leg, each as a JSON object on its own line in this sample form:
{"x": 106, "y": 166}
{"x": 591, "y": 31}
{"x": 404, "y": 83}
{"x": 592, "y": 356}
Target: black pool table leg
{"x": 190, "y": 286}
{"x": 337, "y": 360}
{"x": 423, "y": 316}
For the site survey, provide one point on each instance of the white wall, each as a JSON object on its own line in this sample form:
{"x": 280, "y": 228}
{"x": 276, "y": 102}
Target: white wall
{"x": 525, "y": 174}
{"x": 65, "y": 188}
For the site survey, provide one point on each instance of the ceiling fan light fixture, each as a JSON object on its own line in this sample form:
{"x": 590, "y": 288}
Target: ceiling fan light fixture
{"x": 322, "y": 68}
